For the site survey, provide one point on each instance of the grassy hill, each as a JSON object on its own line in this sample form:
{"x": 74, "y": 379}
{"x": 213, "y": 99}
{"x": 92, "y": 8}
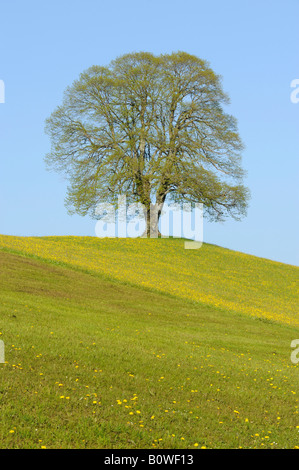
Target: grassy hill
{"x": 141, "y": 344}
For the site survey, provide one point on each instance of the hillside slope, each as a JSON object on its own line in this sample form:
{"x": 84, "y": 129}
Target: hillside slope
{"x": 99, "y": 363}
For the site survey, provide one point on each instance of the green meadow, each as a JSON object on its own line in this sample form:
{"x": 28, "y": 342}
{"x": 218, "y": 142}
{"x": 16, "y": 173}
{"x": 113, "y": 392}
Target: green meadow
{"x": 128, "y": 344}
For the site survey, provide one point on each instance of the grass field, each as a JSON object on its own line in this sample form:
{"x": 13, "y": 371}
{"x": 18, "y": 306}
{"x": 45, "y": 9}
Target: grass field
{"x": 141, "y": 344}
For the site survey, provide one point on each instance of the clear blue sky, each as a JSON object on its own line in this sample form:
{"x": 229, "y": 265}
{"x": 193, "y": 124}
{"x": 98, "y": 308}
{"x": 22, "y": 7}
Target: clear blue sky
{"x": 44, "y": 46}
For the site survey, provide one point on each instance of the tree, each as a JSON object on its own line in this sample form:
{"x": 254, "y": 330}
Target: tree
{"x": 151, "y": 127}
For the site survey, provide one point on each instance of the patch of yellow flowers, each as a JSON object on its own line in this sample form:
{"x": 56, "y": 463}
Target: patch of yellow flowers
{"x": 211, "y": 275}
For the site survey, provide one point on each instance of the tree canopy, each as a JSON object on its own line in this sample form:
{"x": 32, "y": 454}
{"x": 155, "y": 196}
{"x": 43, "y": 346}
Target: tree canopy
{"x": 151, "y": 127}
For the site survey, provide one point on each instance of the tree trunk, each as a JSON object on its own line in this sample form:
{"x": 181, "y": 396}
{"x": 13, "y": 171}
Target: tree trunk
{"x": 153, "y": 213}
